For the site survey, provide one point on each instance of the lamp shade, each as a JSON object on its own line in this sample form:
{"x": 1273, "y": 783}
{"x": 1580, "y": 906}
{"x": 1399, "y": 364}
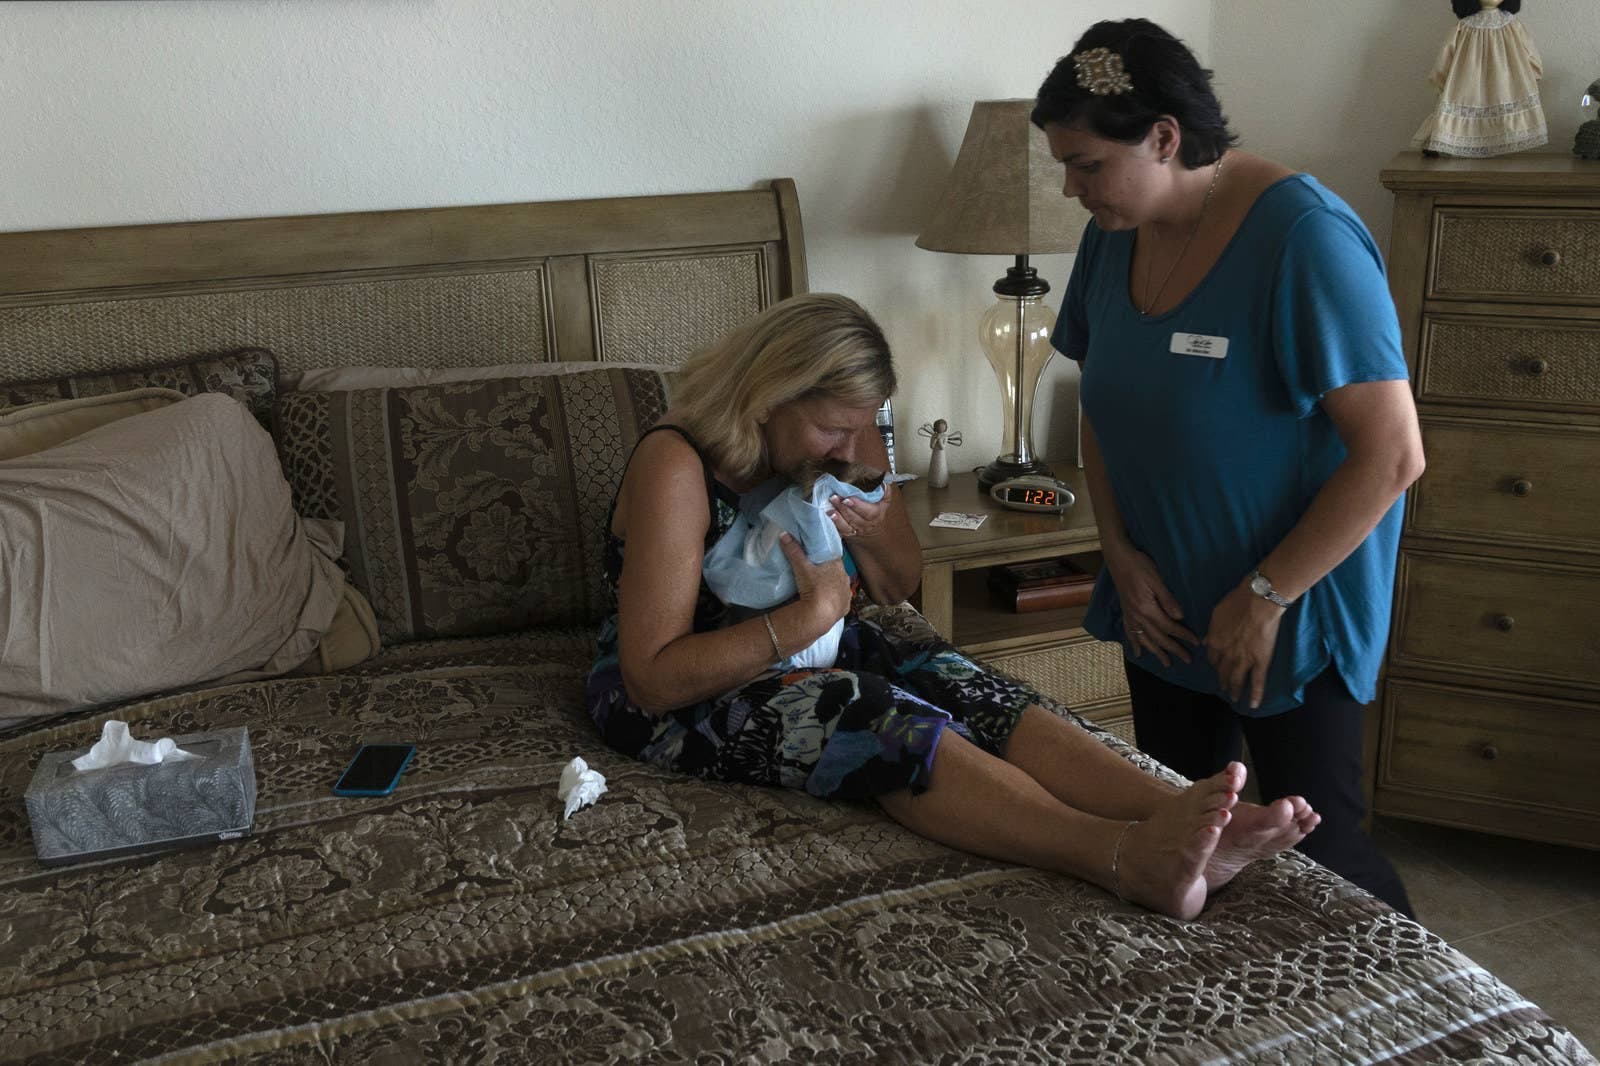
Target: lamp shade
{"x": 1003, "y": 196}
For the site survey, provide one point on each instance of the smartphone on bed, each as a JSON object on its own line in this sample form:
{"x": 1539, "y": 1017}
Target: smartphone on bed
{"x": 375, "y": 771}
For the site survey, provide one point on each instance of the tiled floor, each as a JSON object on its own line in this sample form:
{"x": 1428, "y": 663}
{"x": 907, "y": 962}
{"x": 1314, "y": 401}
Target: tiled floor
{"x": 1528, "y": 913}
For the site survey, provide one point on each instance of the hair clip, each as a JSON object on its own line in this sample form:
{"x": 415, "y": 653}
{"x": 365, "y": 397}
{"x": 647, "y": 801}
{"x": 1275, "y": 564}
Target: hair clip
{"x": 1100, "y": 73}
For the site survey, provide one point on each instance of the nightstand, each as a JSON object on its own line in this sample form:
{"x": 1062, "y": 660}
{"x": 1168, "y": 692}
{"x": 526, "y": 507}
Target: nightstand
{"x": 1047, "y": 649}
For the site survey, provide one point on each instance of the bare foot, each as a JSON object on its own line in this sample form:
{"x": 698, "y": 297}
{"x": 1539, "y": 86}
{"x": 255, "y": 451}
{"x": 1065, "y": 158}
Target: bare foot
{"x": 1164, "y": 858}
{"x": 1257, "y": 832}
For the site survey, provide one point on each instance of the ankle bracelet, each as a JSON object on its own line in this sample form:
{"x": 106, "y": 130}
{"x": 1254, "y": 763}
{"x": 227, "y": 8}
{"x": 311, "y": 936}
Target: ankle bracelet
{"x": 1116, "y": 862}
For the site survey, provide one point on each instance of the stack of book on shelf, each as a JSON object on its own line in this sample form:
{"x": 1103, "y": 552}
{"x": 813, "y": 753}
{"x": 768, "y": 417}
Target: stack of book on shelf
{"x": 1041, "y": 586}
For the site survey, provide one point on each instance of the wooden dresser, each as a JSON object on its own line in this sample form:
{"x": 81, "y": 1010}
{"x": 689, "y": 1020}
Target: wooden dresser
{"x": 1491, "y": 703}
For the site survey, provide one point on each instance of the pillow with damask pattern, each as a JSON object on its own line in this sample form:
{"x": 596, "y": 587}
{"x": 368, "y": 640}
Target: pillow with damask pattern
{"x": 471, "y": 507}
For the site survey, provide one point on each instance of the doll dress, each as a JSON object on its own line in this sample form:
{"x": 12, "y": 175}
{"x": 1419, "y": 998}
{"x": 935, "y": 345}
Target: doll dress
{"x": 1487, "y": 75}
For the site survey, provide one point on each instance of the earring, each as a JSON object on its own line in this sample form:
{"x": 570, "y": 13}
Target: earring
{"x": 1165, "y": 160}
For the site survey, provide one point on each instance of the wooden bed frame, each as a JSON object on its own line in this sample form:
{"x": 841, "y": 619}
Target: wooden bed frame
{"x": 680, "y": 916}
{"x": 634, "y": 279}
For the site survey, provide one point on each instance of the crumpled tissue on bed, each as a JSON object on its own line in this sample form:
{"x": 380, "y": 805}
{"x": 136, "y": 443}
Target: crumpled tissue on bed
{"x": 580, "y": 786}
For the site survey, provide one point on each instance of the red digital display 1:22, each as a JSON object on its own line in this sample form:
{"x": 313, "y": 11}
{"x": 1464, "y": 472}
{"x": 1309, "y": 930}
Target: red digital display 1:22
{"x": 1039, "y": 497}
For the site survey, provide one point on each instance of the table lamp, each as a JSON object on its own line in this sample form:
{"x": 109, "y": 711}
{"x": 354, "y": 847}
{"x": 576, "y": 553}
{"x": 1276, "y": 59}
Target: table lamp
{"x": 1586, "y": 143}
{"x": 1003, "y": 197}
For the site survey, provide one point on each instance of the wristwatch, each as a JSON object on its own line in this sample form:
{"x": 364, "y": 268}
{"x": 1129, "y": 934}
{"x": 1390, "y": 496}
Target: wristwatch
{"x": 1263, "y": 588}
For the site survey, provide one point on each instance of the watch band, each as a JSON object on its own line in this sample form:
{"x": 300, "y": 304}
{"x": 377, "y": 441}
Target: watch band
{"x": 1261, "y": 585}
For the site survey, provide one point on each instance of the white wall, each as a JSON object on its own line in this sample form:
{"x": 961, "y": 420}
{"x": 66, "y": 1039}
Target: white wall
{"x": 158, "y": 110}
{"x": 1337, "y": 88}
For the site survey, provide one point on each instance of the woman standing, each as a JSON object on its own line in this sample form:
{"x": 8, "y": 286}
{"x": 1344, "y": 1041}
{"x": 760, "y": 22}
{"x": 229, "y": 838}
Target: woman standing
{"x": 1249, "y": 432}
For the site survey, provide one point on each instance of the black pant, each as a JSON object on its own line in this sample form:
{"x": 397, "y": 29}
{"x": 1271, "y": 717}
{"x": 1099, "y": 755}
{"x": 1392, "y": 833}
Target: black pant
{"x": 1312, "y": 751}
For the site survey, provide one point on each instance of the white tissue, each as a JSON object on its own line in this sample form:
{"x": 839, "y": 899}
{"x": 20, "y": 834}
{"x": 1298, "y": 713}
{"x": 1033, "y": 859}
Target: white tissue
{"x": 116, "y": 747}
{"x": 580, "y": 786}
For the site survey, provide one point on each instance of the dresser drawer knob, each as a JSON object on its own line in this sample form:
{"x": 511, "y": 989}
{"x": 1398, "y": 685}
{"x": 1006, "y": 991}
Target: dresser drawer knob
{"x": 1537, "y": 367}
{"x": 1521, "y": 487}
{"x": 1550, "y": 257}
{"x": 1490, "y": 752}
{"x": 1504, "y": 622}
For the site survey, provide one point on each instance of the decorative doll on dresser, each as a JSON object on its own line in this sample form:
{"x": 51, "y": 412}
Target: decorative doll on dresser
{"x": 1488, "y": 76}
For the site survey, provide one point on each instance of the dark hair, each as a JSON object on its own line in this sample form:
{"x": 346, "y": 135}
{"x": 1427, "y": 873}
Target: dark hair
{"x": 1468, "y": 8}
{"x": 1167, "y": 80}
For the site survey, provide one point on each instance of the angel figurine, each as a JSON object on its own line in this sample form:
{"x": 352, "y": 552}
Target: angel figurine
{"x": 1488, "y": 76}
{"x": 939, "y": 436}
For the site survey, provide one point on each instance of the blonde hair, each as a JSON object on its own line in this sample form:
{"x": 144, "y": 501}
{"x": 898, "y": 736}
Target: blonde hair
{"x": 815, "y": 345}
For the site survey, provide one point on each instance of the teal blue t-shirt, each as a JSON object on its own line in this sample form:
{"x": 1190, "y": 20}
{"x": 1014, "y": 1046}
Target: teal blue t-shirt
{"x": 1214, "y": 459}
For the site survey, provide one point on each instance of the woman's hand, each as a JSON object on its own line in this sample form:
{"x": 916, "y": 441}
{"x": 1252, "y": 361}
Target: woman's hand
{"x": 854, "y": 517}
{"x": 824, "y": 587}
{"x": 1152, "y": 618}
{"x": 1240, "y": 641}
{"x": 882, "y": 542}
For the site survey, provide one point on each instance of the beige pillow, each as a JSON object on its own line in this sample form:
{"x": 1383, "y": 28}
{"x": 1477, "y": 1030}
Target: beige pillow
{"x": 37, "y": 426}
{"x": 157, "y": 551}
{"x": 351, "y": 639}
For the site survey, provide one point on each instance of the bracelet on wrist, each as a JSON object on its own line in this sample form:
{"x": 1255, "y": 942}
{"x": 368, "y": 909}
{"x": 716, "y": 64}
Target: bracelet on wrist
{"x": 777, "y": 648}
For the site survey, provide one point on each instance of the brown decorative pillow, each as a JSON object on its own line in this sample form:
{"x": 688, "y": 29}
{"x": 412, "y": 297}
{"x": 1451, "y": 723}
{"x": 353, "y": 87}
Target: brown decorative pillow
{"x": 249, "y": 375}
{"x": 471, "y": 507}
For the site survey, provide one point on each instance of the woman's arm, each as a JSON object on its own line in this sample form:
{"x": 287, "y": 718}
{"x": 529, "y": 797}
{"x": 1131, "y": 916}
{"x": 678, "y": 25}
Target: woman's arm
{"x": 1152, "y": 618}
{"x": 1377, "y": 421}
{"x": 665, "y": 664}
{"x": 1107, "y": 518}
{"x": 880, "y": 536}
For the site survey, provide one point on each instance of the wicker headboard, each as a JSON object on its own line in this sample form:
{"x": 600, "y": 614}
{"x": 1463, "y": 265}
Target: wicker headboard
{"x": 636, "y": 279}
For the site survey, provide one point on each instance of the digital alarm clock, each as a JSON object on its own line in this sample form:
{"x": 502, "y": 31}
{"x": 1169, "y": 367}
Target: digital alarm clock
{"x": 1033, "y": 493}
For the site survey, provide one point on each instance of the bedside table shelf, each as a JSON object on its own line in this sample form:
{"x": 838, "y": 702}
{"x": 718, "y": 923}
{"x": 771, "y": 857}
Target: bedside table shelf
{"x": 1047, "y": 649}
{"x": 983, "y": 625}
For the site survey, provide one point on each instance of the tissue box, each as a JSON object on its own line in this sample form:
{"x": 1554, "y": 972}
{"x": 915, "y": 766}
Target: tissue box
{"x": 129, "y": 809}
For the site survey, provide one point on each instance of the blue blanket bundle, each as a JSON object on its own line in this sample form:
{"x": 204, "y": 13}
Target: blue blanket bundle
{"x": 747, "y": 567}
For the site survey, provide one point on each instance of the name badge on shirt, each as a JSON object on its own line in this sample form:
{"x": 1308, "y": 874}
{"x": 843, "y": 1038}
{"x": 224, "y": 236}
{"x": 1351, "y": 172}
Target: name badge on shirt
{"x": 1199, "y": 344}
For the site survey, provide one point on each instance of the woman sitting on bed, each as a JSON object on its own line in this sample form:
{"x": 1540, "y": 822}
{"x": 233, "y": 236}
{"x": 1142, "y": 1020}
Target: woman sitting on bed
{"x": 949, "y": 750}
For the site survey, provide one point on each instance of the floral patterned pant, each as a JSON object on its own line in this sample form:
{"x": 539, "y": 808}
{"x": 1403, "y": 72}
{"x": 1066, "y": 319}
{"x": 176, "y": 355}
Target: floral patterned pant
{"x": 867, "y": 726}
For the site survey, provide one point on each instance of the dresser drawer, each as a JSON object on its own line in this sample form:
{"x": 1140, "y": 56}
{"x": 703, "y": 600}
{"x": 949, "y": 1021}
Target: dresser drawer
{"x": 1530, "y": 363}
{"x": 1498, "y": 619}
{"x": 1512, "y": 254}
{"x": 1083, "y": 673}
{"x": 1515, "y": 485}
{"x": 1485, "y": 745}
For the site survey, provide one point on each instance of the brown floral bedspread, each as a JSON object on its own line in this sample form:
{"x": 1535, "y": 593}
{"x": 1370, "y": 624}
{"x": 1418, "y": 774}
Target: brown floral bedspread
{"x": 461, "y": 920}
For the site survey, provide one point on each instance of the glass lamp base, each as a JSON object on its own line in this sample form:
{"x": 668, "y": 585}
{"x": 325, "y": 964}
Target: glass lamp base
{"x": 1006, "y": 467}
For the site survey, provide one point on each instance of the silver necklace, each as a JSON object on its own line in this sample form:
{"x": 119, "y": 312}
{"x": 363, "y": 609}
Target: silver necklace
{"x": 1150, "y": 262}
